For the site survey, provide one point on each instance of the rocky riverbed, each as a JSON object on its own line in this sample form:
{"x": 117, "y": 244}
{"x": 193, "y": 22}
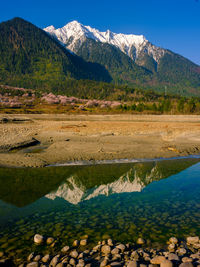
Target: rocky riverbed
{"x": 183, "y": 253}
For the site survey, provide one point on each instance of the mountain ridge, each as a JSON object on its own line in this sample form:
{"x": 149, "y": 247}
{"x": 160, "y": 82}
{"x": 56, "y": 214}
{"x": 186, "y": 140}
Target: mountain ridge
{"x": 162, "y": 68}
{"x": 33, "y": 58}
{"x": 130, "y": 44}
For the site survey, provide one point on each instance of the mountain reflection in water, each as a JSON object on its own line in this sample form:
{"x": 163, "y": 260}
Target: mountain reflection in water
{"x": 154, "y": 200}
{"x": 21, "y": 187}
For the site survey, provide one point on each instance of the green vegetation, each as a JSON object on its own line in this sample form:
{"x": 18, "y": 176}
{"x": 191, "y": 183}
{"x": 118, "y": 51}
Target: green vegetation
{"x": 30, "y": 58}
{"x": 121, "y": 67}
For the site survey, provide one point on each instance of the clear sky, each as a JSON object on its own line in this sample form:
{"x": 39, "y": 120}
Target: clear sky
{"x": 171, "y": 24}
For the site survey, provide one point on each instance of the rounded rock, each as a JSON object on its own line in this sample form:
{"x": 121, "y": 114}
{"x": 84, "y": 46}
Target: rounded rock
{"x": 116, "y": 263}
{"x": 83, "y": 242}
{"x": 46, "y": 258}
{"x": 171, "y": 247}
{"x": 115, "y": 251}
{"x": 187, "y": 259}
{"x": 192, "y": 240}
{"x": 54, "y": 261}
{"x": 182, "y": 251}
{"x": 140, "y": 241}
{"x": 106, "y": 249}
{"x": 37, "y": 258}
{"x": 104, "y": 263}
{"x": 157, "y": 260}
{"x": 135, "y": 255}
{"x": 32, "y": 264}
{"x": 173, "y": 240}
{"x": 121, "y": 247}
{"x": 72, "y": 262}
{"x": 186, "y": 264}
{"x": 75, "y": 243}
{"x": 38, "y": 239}
{"x": 166, "y": 263}
{"x": 110, "y": 242}
{"x": 74, "y": 254}
{"x": 81, "y": 263}
{"x": 65, "y": 249}
{"x": 132, "y": 264}
{"x": 173, "y": 257}
{"x": 50, "y": 240}
{"x": 31, "y": 256}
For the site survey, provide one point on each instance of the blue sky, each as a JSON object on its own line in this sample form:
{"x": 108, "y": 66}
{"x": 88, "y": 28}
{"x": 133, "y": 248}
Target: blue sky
{"x": 172, "y": 24}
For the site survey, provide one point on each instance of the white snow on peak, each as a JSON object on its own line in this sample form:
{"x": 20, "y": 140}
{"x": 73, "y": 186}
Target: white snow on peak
{"x": 50, "y": 28}
{"x": 73, "y": 34}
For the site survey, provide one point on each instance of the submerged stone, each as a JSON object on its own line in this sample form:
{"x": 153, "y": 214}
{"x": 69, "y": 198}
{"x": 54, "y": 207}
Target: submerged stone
{"x": 38, "y": 239}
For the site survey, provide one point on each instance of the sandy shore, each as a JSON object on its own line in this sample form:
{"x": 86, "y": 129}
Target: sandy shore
{"x": 65, "y": 138}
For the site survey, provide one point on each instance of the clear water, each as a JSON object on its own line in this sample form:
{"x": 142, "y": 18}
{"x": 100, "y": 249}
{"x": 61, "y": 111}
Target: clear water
{"x": 153, "y": 200}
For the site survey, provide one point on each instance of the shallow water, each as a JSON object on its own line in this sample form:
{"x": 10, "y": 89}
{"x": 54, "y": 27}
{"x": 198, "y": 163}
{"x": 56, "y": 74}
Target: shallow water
{"x": 154, "y": 200}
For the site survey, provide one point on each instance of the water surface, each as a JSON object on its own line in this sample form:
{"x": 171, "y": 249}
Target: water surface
{"x": 154, "y": 200}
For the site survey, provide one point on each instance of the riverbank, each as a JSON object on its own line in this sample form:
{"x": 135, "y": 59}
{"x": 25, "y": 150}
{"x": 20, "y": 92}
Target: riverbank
{"x": 185, "y": 253}
{"x": 40, "y": 140}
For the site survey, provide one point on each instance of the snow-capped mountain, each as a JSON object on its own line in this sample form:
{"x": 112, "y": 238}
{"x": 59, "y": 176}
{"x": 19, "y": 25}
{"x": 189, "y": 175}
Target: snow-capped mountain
{"x": 74, "y": 34}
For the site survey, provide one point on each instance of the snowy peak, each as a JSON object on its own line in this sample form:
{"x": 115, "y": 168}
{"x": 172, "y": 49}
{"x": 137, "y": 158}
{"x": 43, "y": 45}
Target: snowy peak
{"x": 50, "y": 29}
{"x": 73, "y": 34}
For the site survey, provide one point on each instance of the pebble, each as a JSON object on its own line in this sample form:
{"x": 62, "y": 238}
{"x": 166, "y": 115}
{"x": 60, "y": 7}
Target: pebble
{"x": 81, "y": 263}
{"x": 171, "y": 247}
{"x": 115, "y": 251}
{"x": 54, "y": 261}
{"x": 38, "y": 239}
{"x": 83, "y": 242}
{"x": 74, "y": 254}
{"x": 157, "y": 260}
{"x": 72, "y": 262}
{"x": 182, "y": 251}
{"x": 50, "y": 240}
{"x": 37, "y": 258}
{"x": 31, "y": 256}
{"x": 75, "y": 243}
{"x": 135, "y": 255}
{"x": 166, "y": 263}
{"x": 65, "y": 249}
{"x": 121, "y": 247}
{"x": 132, "y": 264}
{"x": 33, "y": 264}
{"x": 197, "y": 245}
{"x": 195, "y": 256}
{"x": 81, "y": 255}
{"x": 140, "y": 241}
{"x": 187, "y": 259}
{"x": 186, "y": 264}
{"x": 104, "y": 263}
{"x": 65, "y": 259}
{"x": 173, "y": 240}
{"x": 173, "y": 257}
{"x": 115, "y": 263}
{"x": 46, "y": 258}
{"x": 106, "y": 249}
{"x": 192, "y": 240}
{"x": 110, "y": 242}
